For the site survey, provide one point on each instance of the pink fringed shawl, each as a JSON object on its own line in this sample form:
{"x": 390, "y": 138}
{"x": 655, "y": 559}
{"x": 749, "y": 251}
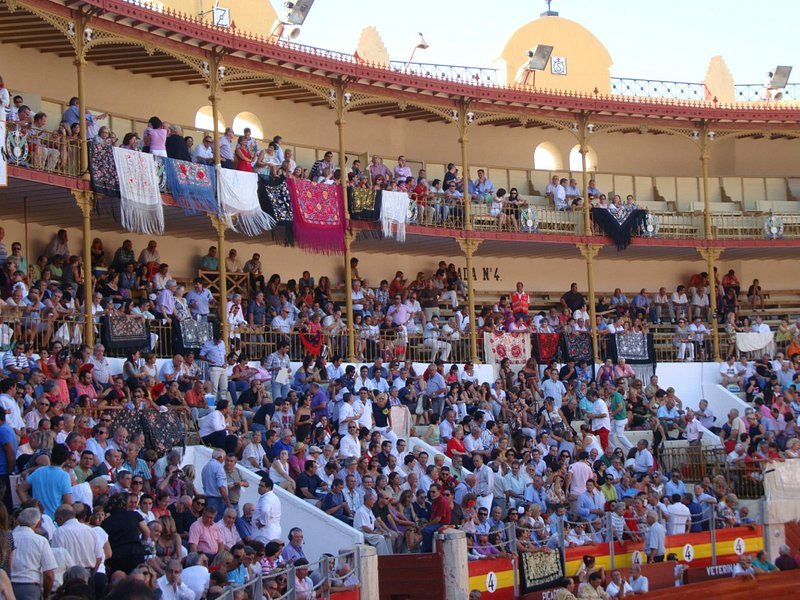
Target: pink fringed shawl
{"x": 319, "y": 223}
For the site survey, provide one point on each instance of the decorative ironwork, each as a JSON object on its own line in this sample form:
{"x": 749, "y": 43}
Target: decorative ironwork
{"x": 459, "y": 74}
{"x": 773, "y": 227}
{"x": 754, "y": 92}
{"x": 654, "y": 88}
{"x": 651, "y": 225}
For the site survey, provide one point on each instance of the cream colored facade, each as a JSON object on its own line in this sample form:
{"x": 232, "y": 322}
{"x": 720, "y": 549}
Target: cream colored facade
{"x": 137, "y": 97}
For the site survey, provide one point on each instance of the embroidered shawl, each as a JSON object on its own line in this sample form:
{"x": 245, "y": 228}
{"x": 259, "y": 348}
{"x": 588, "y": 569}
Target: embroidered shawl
{"x": 620, "y": 226}
{"x": 364, "y": 204}
{"x": 140, "y": 204}
{"x": 394, "y": 212}
{"x": 318, "y": 210}
{"x": 275, "y": 200}
{"x": 192, "y": 185}
{"x": 237, "y": 192}
{"x": 516, "y": 347}
{"x": 545, "y": 346}
{"x": 103, "y": 170}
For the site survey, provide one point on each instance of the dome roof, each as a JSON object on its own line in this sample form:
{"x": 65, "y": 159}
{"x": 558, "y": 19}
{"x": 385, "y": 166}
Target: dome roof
{"x": 587, "y": 61}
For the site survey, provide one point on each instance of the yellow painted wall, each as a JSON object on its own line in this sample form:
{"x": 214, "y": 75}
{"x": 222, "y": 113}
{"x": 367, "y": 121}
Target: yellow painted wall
{"x": 140, "y": 96}
{"x": 588, "y": 61}
{"x": 183, "y": 255}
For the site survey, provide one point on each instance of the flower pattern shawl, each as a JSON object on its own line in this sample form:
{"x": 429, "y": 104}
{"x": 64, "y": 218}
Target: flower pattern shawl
{"x": 192, "y": 185}
{"x": 140, "y": 198}
{"x": 103, "y": 170}
{"x": 318, "y": 210}
{"x": 516, "y": 347}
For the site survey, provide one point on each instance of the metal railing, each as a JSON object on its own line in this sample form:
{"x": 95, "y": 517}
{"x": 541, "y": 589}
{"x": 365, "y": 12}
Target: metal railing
{"x": 754, "y": 92}
{"x": 459, "y": 74}
{"x": 42, "y": 150}
{"x": 696, "y": 462}
{"x": 655, "y": 88}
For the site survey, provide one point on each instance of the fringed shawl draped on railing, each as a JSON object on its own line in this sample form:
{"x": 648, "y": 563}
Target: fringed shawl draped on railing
{"x": 516, "y": 347}
{"x": 140, "y": 205}
{"x": 637, "y": 349}
{"x": 364, "y": 204}
{"x": 318, "y": 210}
{"x": 621, "y": 225}
{"x": 238, "y": 198}
{"x": 192, "y": 185}
{"x": 103, "y": 170}
{"x": 545, "y": 346}
{"x": 394, "y": 212}
{"x": 577, "y": 346}
{"x": 275, "y": 200}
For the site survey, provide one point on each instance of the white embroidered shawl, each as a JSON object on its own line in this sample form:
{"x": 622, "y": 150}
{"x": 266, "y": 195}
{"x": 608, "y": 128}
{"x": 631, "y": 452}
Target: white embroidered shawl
{"x": 394, "y": 212}
{"x": 237, "y": 192}
{"x": 140, "y": 204}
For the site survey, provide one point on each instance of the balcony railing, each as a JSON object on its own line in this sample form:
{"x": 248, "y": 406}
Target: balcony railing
{"x": 458, "y": 74}
{"x": 42, "y": 150}
{"x": 654, "y": 88}
{"x": 754, "y": 92}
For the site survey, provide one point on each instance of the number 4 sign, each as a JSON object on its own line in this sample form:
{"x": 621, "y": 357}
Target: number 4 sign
{"x": 688, "y": 553}
{"x": 491, "y": 582}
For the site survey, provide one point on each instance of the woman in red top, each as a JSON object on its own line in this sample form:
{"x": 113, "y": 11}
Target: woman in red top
{"x": 455, "y": 445}
{"x": 244, "y": 160}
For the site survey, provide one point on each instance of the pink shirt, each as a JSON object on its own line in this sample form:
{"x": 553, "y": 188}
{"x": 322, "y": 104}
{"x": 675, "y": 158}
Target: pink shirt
{"x": 158, "y": 139}
{"x": 581, "y": 473}
{"x": 206, "y": 539}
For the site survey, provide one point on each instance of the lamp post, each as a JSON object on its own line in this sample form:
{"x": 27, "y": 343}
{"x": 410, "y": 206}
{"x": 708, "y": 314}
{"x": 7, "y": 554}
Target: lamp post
{"x": 421, "y": 45}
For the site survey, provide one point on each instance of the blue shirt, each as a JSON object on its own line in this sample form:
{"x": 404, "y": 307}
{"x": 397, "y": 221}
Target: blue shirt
{"x": 214, "y": 353}
{"x": 674, "y": 488}
{"x": 237, "y": 575}
{"x": 244, "y": 528}
{"x": 201, "y": 301}
{"x": 7, "y": 436}
{"x": 49, "y": 486}
{"x": 534, "y": 497}
{"x": 214, "y": 478}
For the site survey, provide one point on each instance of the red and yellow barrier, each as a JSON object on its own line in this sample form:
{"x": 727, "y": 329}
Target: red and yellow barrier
{"x": 494, "y": 578}
{"x": 693, "y": 549}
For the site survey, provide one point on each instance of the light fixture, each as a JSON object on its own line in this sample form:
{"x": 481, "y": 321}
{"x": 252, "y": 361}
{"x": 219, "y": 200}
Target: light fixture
{"x": 695, "y": 135}
{"x": 470, "y": 117}
{"x": 778, "y": 79}
{"x": 298, "y": 11}
{"x": 712, "y": 135}
{"x": 348, "y": 97}
{"x": 590, "y": 127}
{"x": 575, "y": 127}
{"x": 421, "y": 45}
{"x": 454, "y": 114}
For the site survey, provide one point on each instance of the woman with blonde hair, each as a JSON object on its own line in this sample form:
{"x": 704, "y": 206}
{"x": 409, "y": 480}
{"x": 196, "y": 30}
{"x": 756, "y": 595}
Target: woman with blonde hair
{"x": 167, "y": 546}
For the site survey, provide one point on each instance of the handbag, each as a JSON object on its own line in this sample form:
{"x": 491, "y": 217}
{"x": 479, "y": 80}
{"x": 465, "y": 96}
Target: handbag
{"x": 419, "y": 409}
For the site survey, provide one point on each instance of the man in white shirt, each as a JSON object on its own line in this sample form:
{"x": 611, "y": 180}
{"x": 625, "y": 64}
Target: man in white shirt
{"x": 77, "y": 539}
{"x": 694, "y": 434}
{"x": 679, "y": 518}
{"x": 267, "y": 515}
{"x": 701, "y": 304}
{"x": 204, "y": 152}
{"x": 759, "y": 326}
{"x": 196, "y": 575}
{"x": 33, "y": 569}
{"x": 618, "y": 587}
{"x": 601, "y": 422}
{"x": 349, "y": 446}
{"x": 364, "y": 522}
{"x": 643, "y": 463}
{"x": 731, "y": 372}
{"x": 484, "y": 483}
{"x": 638, "y": 582}
{"x": 553, "y": 388}
{"x": 170, "y": 584}
{"x": 560, "y": 195}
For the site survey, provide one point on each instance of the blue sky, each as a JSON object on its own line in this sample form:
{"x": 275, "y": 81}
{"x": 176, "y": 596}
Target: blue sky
{"x": 654, "y": 40}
